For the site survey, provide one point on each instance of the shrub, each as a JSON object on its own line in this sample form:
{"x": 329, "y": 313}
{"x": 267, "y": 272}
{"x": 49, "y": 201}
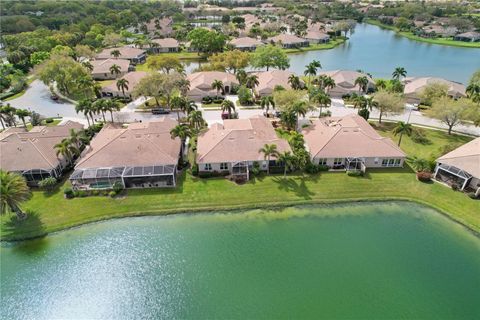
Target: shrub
{"x": 418, "y": 136}
{"x": 256, "y": 168}
{"x": 327, "y": 113}
{"x": 112, "y": 194}
{"x": 35, "y": 119}
{"x": 472, "y": 195}
{"x": 195, "y": 169}
{"x": 48, "y": 183}
{"x": 81, "y": 193}
{"x": 218, "y": 101}
{"x": 68, "y": 192}
{"x": 355, "y": 173}
{"x": 95, "y": 192}
{"x": 424, "y": 176}
{"x": 49, "y": 120}
{"x": 455, "y": 187}
{"x": 117, "y": 187}
{"x": 364, "y": 113}
{"x": 245, "y": 96}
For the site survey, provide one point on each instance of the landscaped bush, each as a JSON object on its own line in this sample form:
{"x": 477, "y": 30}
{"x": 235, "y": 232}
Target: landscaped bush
{"x": 256, "y": 168}
{"x": 68, "y": 192}
{"x": 213, "y": 174}
{"x": 112, "y": 194}
{"x": 81, "y": 193}
{"x": 355, "y": 173}
{"x": 207, "y": 100}
{"x": 49, "y": 120}
{"x": 218, "y": 101}
{"x": 95, "y": 192}
{"x": 195, "y": 169}
{"x": 48, "y": 183}
{"x": 327, "y": 113}
{"x": 424, "y": 176}
{"x": 455, "y": 187}
{"x": 245, "y": 96}
{"x": 418, "y": 136}
{"x": 473, "y": 196}
{"x": 117, "y": 187}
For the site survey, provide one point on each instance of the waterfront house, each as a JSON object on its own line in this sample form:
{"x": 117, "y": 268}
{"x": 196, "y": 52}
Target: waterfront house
{"x": 288, "y": 41}
{"x": 233, "y": 147}
{"x": 414, "y": 86}
{"x": 164, "y": 45}
{"x": 268, "y": 80}
{"x": 32, "y": 153}
{"x": 345, "y": 82}
{"x": 350, "y": 143}
{"x": 201, "y": 83}
{"x": 134, "y": 55}
{"x": 102, "y": 68}
{"x": 461, "y": 167}
{"x": 317, "y": 37}
{"x": 470, "y": 36}
{"x": 141, "y": 155}
{"x": 133, "y": 78}
{"x": 245, "y": 43}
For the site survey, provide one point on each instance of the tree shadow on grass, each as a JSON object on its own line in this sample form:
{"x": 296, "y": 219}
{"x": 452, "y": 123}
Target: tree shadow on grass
{"x": 31, "y": 226}
{"x": 291, "y": 185}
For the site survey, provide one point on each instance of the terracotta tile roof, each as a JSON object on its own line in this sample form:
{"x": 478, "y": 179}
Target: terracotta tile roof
{"x": 125, "y": 53}
{"x": 103, "y": 66}
{"x": 238, "y": 140}
{"x": 268, "y": 80}
{"x": 167, "y": 42}
{"x": 413, "y": 86}
{"x": 346, "y": 78}
{"x": 286, "y": 39}
{"x": 21, "y": 151}
{"x": 465, "y": 157}
{"x": 245, "y": 42}
{"x": 140, "y": 144}
{"x": 133, "y": 79}
{"x": 348, "y": 136}
{"x": 316, "y": 35}
{"x": 203, "y": 80}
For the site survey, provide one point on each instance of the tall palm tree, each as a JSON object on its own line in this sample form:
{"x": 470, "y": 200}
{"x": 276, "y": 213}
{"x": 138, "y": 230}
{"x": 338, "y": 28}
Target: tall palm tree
{"x": 110, "y": 106}
{"x": 195, "y": 120}
{"x": 217, "y": 85}
{"x": 299, "y": 108}
{"x": 288, "y": 119}
{"x": 269, "y": 150}
{"x": 266, "y": 102}
{"x": 88, "y": 65}
{"x": 286, "y": 159}
{"x": 381, "y": 84}
{"x": 122, "y": 84}
{"x": 328, "y": 84}
{"x": 22, "y": 113}
{"x": 181, "y": 131}
{"x": 190, "y": 106}
{"x": 241, "y": 76}
{"x": 115, "y": 53}
{"x": 401, "y": 129}
{"x": 115, "y": 69}
{"x": 359, "y": 102}
{"x": 98, "y": 107}
{"x": 399, "y": 72}
{"x": 13, "y": 191}
{"x": 75, "y": 138}
{"x": 66, "y": 149}
{"x": 294, "y": 82}
{"x": 362, "y": 83}
{"x": 251, "y": 82}
{"x": 8, "y": 114}
{"x": 473, "y": 92}
{"x": 311, "y": 69}
{"x": 228, "y": 106}
{"x": 178, "y": 103}
{"x": 322, "y": 100}
{"x": 85, "y": 106}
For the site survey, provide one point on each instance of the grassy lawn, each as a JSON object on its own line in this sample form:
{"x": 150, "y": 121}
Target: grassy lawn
{"x": 183, "y": 55}
{"x": 51, "y": 212}
{"x": 51, "y": 124}
{"x": 321, "y": 46}
{"x": 439, "y": 140}
{"x": 21, "y": 93}
{"x": 411, "y": 36}
{"x": 104, "y": 83}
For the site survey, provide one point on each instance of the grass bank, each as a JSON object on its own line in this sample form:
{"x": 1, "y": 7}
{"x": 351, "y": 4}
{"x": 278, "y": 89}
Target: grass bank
{"x": 411, "y": 36}
{"x": 321, "y": 46}
{"x": 21, "y": 93}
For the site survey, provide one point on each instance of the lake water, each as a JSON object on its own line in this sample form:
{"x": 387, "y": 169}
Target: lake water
{"x": 380, "y": 51}
{"x": 372, "y": 260}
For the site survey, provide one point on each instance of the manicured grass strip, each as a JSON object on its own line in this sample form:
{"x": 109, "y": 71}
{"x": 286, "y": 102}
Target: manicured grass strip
{"x": 21, "y": 93}
{"x": 51, "y": 212}
{"x": 321, "y": 46}
{"x": 411, "y": 36}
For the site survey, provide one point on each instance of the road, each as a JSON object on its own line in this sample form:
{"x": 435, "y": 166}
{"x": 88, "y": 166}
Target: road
{"x": 37, "y": 98}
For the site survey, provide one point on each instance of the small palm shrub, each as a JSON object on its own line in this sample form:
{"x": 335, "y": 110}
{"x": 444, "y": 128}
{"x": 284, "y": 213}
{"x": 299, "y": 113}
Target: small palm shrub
{"x": 48, "y": 183}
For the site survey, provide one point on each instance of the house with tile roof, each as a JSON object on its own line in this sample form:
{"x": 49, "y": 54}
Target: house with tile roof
{"x": 164, "y": 45}
{"x": 102, "y": 68}
{"x": 345, "y": 82}
{"x": 268, "y": 80}
{"x": 288, "y": 41}
{"x": 414, "y": 87}
{"x": 245, "y": 43}
{"x": 201, "y": 83}
{"x": 133, "y": 78}
{"x": 134, "y": 55}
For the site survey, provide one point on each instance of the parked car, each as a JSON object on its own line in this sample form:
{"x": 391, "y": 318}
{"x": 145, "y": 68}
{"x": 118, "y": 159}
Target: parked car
{"x": 160, "y": 111}
{"x": 54, "y": 97}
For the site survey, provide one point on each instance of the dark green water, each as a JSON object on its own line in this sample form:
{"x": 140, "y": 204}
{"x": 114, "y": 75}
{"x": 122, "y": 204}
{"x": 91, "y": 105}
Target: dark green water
{"x": 372, "y": 260}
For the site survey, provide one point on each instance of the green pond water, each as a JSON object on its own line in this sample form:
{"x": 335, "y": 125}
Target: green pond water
{"x": 390, "y": 260}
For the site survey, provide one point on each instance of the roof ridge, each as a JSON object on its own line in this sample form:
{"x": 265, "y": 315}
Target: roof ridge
{"x": 158, "y": 146}
{"x": 41, "y": 153}
{"x": 216, "y": 144}
{"x": 328, "y": 141}
{"x": 121, "y": 131}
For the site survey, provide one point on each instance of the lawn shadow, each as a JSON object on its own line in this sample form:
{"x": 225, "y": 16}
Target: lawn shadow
{"x": 291, "y": 185}
{"x": 32, "y": 223}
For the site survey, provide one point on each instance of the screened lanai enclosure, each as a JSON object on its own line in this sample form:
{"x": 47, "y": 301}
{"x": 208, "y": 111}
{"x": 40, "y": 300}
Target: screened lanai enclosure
{"x": 452, "y": 175}
{"x": 155, "y": 176}
{"x": 36, "y": 175}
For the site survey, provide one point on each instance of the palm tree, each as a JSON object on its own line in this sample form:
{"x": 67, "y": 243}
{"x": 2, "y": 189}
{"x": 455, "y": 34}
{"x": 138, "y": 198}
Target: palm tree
{"x": 22, "y": 113}
{"x": 268, "y": 151}
{"x": 189, "y": 107}
{"x": 288, "y": 119}
{"x": 13, "y": 191}
{"x": 381, "y": 84}
{"x": 311, "y": 69}
{"x": 115, "y": 53}
{"x": 399, "y": 72}
{"x": 195, "y": 120}
{"x": 473, "y": 92}
{"x": 115, "y": 69}
{"x": 286, "y": 159}
{"x": 85, "y": 106}
{"x": 181, "y": 131}
{"x": 178, "y": 103}
{"x": 251, "y": 82}
{"x": 122, "y": 84}
{"x": 362, "y": 83}
{"x": 8, "y": 115}
{"x": 359, "y": 102}
{"x": 241, "y": 76}
{"x": 98, "y": 107}
{"x": 299, "y": 108}
{"x": 66, "y": 149}
{"x": 401, "y": 129}
{"x": 88, "y": 65}
{"x": 266, "y": 102}
{"x": 75, "y": 138}
{"x": 323, "y": 100}
{"x": 110, "y": 106}
{"x": 294, "y": 82}
{"x": 328, "y": 84}
{"x": 228, "y": 106}
{"x": 217, "y": 85}
{"x": 421, "y": 165}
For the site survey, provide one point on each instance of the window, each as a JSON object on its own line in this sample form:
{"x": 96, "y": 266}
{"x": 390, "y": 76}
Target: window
{"x": 322, "y": 161}
{"x": 376, "y": 160}
{"x": 397, "y": 162}
{"x": 208, "y": 167}
{"x": 223, "y": 166}
{"x": 384, "y": 162}
{"x": 337, "y": 161}
{"x": 391, "y": 162}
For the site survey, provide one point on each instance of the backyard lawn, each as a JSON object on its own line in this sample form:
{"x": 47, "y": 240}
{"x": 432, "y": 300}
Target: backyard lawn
{"x": 52, "y": 212}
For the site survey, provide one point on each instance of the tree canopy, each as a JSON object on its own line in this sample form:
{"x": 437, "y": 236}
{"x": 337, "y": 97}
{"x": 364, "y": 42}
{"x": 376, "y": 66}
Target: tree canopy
{"x": 270, "y": 56}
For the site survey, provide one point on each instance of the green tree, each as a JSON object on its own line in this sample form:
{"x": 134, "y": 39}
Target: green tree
{"x": 270, "y": 56}
{"x": 122, "y": 84}
{"x": 362, "y": 83}
{"x": 322, "y": 100}
{"x": 48, "y": 183}
{"x": 241, "y": 76}
{"x": 311, "y": 69}
{"x": 269, "y": 150}
{"x": 13, "y": 192}
{"x": 228, "y": 106}
{"x": 300, "y": 108}
{"x": 399, "y": 72}
{"x": 388, "y": 103}
{"x": 115, "y": 53}
{"x": 294, "y": 82}
{"x": 230, "y": 60}
{"x": 22, "y": 114}
{"x": 433, "y": 91}
{"x": 473, "y": 92}
{"x": 401, "y": 129}
{"x": 205, "y": 41}
{"x": 251, "y": 82}
{"x": 266, "y": 102}
{"x": 217, "y": 85}
{"x": 115, "y": 69}
{"x": 66, "y": 149}
{"x": 449, "y": 111}
{"x": 181, "y": 131}
{"x": 85, "y": 106}
{"x": 195, "y": 120}
{"x": 165, "y": 63}
{"x": 286, "y": 159}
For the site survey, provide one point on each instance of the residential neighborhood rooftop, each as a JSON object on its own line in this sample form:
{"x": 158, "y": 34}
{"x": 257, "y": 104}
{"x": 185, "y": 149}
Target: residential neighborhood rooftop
{"x": 465, "y": 157}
